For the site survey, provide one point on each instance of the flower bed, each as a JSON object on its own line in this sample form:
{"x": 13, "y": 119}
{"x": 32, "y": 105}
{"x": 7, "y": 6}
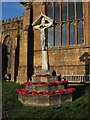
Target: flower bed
{"x": 47, "y": 83}
{"x": 23, "y": 91}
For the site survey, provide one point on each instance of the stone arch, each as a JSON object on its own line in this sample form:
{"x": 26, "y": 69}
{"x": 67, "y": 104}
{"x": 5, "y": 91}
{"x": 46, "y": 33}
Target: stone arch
{"x": 7, "y": 57}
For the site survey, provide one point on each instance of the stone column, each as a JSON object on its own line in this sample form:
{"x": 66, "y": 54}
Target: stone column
{"x": 89, "y": 27}
{"x": 44, "y": 51}
{"x": 13, "y": 65}
{"x": 22, "y": 70}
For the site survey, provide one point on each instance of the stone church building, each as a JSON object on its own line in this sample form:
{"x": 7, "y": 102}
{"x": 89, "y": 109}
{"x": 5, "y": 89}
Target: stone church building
{"x": 68, "y": 41}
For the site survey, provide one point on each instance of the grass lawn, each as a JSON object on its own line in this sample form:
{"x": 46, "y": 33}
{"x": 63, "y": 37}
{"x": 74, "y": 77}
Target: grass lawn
{"x": 12, "y": 108}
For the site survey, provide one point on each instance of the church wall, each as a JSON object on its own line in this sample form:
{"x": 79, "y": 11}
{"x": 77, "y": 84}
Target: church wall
{"x": 89, "y": 26}
{"x": 64, "y": 60}
{"x": 13, "y": 28}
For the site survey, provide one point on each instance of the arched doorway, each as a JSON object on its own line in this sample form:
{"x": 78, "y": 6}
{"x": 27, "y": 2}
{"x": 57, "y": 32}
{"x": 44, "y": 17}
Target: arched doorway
{"x": 7, "y": 57}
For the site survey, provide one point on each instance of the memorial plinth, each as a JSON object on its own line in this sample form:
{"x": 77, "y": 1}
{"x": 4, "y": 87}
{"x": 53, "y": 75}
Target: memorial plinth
{"x": 45, "y": 90}
{"x": 45, "y": 93}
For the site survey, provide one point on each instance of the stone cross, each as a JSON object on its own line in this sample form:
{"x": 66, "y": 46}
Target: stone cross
{"x": 42, "y": 27}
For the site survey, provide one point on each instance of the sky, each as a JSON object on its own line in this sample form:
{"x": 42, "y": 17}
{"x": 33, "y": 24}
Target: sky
{"x": 11, "y": 10}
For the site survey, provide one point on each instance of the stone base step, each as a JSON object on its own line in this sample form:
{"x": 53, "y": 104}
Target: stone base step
{"x": 44, "y": 88}
{"x": 44, "y": 79}
{"x": 44, "y": 100}
{"x": 43, "y": 72}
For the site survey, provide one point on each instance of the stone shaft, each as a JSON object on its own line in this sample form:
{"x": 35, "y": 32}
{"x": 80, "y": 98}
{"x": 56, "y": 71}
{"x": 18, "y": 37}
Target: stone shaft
{"x": 44, "y": 60}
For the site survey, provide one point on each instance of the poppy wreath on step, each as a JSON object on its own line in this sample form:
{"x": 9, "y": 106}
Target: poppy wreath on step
{"x": 23, "y": 91}
{"x": 47, "y": 83}
{"x": 42, "y": 75}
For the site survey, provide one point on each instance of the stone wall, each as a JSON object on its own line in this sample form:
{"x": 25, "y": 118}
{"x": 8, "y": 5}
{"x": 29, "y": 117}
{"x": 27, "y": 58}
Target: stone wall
{"x": 89, "y": 26}
{"x": 64, "y": 60}
{"x": 13, "y": 28}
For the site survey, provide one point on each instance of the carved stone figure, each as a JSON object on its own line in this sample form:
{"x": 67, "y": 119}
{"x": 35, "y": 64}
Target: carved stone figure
{"x": 42, "y": 27}
{"x": 42, "y": 23}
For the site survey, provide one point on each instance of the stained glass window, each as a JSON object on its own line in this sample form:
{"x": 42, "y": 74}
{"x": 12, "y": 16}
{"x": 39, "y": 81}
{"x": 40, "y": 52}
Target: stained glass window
{"x": 57, "y": 12}
{"x": 79, "y": 10}
{"x": 50, "y": 37}
{"x": 80, "y": 33}
{"x": 64, "y": 11}
{"x": 66, "y": 31}
{"x": 72, "y": 34}
{"x": 57, "y": 36}
{"x": 50, "y": 11}
{"x": 64, "y": 35}
{"x": 71, "y": 11}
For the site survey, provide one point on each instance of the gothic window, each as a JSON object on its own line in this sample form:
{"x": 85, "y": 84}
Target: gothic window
{"x": 50, "y": 37}
{"x": 50, "y": 11}
{"x": 68, "y": 24}
{"x": 57, "y": 12}
{"x": 71, "y": 11}
{"x": 57, "y": 36}
{"x": 64, "y": 11}
{"x": 72, "y": 34}
{"x": 50, "y": 30}
{"x": 79, "y": 10}
{"x": 80, "y": 33}
{"x": 64, "y": 35}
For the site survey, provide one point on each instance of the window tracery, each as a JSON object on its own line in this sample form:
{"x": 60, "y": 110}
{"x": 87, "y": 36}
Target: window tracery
{"x": 68, "y": 19}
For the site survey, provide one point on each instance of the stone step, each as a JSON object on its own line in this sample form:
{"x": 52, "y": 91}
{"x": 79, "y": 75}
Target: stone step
{"x": 44, "y": 88}
{"x": 44, "y": 79}
{"x": 44, "y": 100}
{"x": 49, "y": 72}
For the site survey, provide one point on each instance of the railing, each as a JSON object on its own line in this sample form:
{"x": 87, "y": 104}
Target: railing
{"x": 77, "y": 78}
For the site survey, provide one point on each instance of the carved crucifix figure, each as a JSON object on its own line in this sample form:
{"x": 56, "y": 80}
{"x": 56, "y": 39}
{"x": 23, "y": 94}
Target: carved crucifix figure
{"x": 42, "y": 26}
